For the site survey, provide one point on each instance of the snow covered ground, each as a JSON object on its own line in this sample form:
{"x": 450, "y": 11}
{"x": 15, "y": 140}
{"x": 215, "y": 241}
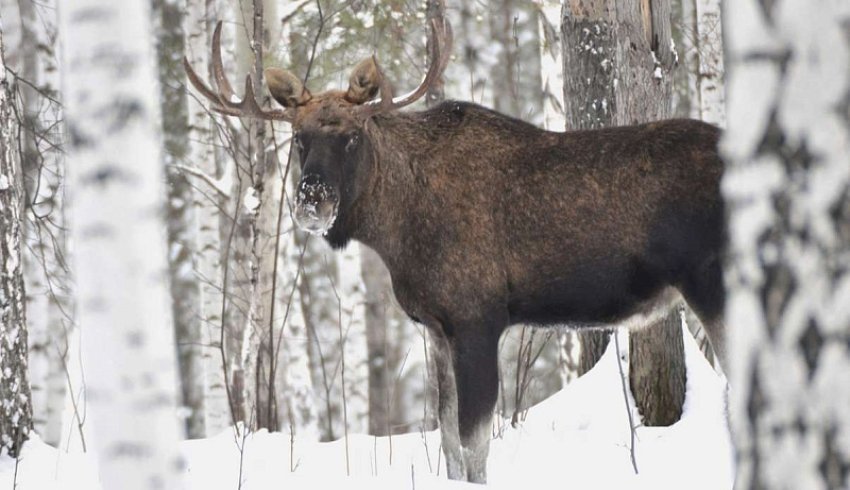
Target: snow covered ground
{"x": 578, "y": 438}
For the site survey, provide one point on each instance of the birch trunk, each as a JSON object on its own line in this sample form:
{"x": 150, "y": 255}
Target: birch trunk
{"x": 710, "y": 76}
{"x": 42, "y": 162}
{"x": 624, "y": 50}
{"x": 787, "y": 187}
{"x": 185, "y": 294}
{"x": 110, "y": 86}
{"x": 551, "y": 65}
{"x": 208, "y": 203}
{"x": 504, "y": 74}
{"x": 686, "y": 95}
{"x": 251, "y": 260}
{"x": 15, "y": 398}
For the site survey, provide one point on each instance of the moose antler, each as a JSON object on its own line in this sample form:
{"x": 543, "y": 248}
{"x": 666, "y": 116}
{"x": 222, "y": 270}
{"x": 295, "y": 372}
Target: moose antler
{"x": 223, "y": 100}
{"x": 441, "y": 48}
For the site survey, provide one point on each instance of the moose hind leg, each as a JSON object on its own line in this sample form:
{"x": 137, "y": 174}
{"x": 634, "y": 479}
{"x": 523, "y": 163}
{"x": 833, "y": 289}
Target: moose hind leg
{"x": 476, "y": 376}
{"x": 447, "y": 410}
{"x": 704, "y": 292}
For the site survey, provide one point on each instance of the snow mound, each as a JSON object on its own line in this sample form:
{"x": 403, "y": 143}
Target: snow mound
{"x": 578, "y": 438}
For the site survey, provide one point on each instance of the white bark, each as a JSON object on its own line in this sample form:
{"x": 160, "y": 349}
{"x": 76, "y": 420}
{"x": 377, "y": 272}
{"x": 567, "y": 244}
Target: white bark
{"x": 787, "y": 186}
{"x": 254, "y": 201}
{"x": 202, "y": 157}
{"x": 110, "y": 89}
{"x": 702, "y": 60}
{"x": 42, "y": 162}
{"x": 551, "y": 65}
{"x": 689, "y": 59}
{"x": 710, "y": 76}
{"x": 15, "y": 399}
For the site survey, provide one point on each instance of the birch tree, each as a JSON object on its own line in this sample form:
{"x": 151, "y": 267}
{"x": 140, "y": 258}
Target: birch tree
{"x": 701, "y": 35}
{"x": 787, "y": 186}
{"x": 207, "y": 199}
{"x": 50, "y": 315}
{"x": 624, "y": 52}
{"x": 15, "y": 399}
{"x": 110, "y": 87}
{"x": 184, "y": 287}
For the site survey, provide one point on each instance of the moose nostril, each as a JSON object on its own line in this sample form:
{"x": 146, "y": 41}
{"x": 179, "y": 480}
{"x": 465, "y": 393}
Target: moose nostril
{"x": 313, "y": 189}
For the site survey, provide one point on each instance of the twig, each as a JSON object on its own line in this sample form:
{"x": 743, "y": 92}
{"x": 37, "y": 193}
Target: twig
{"x": 225, "y": 279}
{"x": 342, "y": 375}
{"x": 219, "y": 185}
{"x": 74, "y": 405}
{"x": 427, "y": 452}
{"x": 626, "y": 400}
{"x": 240, "y": 430}
{"x": 292, "y": 465}
{"x": 33, "y": 86}
{"x": 20, "y": 448}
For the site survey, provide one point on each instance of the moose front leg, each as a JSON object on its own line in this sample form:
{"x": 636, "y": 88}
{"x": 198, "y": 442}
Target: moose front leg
{"x": 476, "y": 373}
{"x": 467, "y": 379}
{"x": 449, "y": 433}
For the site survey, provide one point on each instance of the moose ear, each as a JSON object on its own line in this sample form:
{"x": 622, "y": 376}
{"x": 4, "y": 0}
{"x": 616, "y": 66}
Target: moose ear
{"x": 286, "y": 88}
{"x": 364, "y": 82}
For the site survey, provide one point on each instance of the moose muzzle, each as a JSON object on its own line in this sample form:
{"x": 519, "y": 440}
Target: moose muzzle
{"x": 316, "y": 205}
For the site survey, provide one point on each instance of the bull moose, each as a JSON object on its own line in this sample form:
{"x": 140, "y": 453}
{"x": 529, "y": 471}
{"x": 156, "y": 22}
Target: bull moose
{"x": 485, "y": 221}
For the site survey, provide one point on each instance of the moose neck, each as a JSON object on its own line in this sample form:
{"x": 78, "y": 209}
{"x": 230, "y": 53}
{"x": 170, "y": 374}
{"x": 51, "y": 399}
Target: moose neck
{"x": 387, "y": 208}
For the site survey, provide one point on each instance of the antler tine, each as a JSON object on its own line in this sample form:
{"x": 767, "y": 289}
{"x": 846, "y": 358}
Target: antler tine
{"x": 439, "y": 58}
{"x": 439, "y": 53}
{"x": 199, "y": 84}
{"x": 249, "y": 102}
{"x": 224, "y": 101}
{"x": 448, "y": 35}
{"x": 221, "y": 81}
{"x": 249, "y": 107}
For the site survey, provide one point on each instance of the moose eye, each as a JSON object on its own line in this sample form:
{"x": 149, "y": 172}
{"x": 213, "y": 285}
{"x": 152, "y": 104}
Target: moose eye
{"x": 353, "y": 141}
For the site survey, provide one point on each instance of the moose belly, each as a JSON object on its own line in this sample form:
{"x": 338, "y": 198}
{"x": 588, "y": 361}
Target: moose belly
{"x": 592, "y": 298}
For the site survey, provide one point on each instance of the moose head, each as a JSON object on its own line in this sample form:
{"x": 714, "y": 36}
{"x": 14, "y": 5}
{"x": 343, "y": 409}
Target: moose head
{"x": 329, "y": 127}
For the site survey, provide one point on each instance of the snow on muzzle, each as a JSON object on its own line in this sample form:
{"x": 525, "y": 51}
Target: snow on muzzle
{"x": 316, "y": 205}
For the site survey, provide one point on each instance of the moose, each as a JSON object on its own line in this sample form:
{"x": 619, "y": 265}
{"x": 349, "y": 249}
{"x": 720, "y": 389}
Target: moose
{"x": 485, "y": 221}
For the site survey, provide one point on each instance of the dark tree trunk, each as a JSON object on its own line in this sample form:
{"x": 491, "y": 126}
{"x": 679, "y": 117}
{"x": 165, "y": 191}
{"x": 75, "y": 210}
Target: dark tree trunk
{"x": 376, "y": 281}
{"x": 623, "y": 50}
{"x": 185, "y": 289}
{"x": 656, "y": 371}
{"x": 592, "y": 344}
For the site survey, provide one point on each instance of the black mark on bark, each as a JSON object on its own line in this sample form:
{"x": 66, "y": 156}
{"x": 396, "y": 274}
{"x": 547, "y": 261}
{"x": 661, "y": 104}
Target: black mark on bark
{"x": 810, "y": 344}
